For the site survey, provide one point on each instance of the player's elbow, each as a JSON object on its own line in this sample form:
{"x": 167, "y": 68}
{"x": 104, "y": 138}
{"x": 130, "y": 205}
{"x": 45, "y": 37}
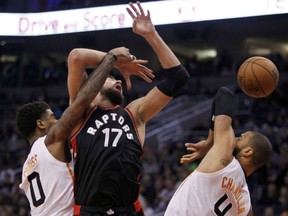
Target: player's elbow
{"x": 74, "y": 56}
{"x": 176, "y": 79}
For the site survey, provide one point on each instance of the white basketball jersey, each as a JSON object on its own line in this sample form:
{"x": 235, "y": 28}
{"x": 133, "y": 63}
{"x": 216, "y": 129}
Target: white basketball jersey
{"x": 47, "y": 182}
{"x": 223, "y": 193}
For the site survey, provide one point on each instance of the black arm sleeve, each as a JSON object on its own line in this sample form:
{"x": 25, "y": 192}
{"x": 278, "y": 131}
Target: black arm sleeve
{"x": 223, "y": 104}
{"x": 176, "y": 78}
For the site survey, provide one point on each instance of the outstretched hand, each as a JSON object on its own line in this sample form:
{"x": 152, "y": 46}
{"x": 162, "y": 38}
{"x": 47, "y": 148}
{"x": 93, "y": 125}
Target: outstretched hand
{"x": 128, "y": 65}
{"x": 199, "y": 150}
{"x": 142, "y": 23}
{"x": 134, "y": 67}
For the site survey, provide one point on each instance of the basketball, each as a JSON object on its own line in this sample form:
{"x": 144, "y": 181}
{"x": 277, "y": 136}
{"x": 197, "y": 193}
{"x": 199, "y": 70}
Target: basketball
{"x": 258, "y": 77}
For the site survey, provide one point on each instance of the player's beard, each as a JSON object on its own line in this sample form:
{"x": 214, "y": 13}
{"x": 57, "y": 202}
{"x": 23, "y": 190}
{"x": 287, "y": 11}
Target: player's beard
{"x": 236, "y": 151}
{"x": 114, "y": 96}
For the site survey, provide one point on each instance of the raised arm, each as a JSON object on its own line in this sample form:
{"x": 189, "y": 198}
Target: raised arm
{"x": 221, "y": 153}
{"x": 177, "y": 75}
{"x": 58, "y": 134}
{"x": 79, "y": 59}
{"x": 142, "y": 25}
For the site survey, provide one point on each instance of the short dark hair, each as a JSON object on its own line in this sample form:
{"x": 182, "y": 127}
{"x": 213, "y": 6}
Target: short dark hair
{"x": 262, "y": 148}
{"x": 27, "y": 116}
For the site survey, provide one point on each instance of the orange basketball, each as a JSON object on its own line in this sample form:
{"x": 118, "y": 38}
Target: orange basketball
{"x": 258, "y": 77}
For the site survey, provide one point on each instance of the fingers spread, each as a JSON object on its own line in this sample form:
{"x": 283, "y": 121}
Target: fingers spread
{"x": 148, "y": 14}
{"x": 185, "y": 160}
{"x": 187, "y": 156}
{"x": 144, "y": 77}
{"x": 191, "y": 149}
{"x": 130, "y": 13}
{"x": 189, "y": 144}
{"x": 147, "y": 72}
{"x": 134, "y": 9}
{"x": 141, "y": 61}
{"x": 140, "y": 8}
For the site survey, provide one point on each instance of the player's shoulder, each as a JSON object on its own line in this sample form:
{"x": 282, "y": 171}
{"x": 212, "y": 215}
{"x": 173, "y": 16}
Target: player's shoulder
{"x": 38, "y": 143}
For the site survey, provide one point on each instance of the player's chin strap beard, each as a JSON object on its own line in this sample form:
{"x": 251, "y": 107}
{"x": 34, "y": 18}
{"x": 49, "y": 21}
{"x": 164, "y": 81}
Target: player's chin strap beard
{"x": 114, "y": 96}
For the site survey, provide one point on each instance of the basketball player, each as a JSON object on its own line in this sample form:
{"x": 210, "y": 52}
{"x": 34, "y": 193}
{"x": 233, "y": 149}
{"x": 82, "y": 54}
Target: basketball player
{"x": 218, "y": 185}
{"x": 47, "y": 177}
{"x": 109, "y": 142}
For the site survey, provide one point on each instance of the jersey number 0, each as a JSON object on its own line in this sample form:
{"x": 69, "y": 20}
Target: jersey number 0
{"x": 35, "y": 185}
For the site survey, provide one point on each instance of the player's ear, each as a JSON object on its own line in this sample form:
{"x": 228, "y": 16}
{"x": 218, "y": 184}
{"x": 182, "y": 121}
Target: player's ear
{"x": 247, "y": 152}
{"x": 40, "y": 124}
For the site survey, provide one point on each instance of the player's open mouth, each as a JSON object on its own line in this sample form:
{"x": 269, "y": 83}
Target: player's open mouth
{"x": 119, "y": 87}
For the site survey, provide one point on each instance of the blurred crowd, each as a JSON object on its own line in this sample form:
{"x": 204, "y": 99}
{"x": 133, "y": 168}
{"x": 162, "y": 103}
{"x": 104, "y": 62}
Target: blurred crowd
{"x": 162, "y": 172}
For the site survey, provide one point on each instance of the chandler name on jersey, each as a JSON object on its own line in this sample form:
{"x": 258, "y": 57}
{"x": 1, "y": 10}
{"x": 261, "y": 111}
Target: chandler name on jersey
{"x": 107, "y": 167}
{"x": 225, "y": 193}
